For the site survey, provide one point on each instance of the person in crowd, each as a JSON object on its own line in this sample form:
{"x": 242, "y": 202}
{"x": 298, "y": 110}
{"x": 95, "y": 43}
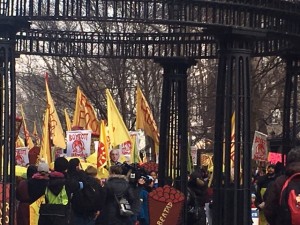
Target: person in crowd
{"x": 154, "y": 175}
{"x": 263, "y": 183}
{"x": 91, "y": 196}
{"x": 117, "y": 186}
{"x": 149, "y": 184}
{"x": 143, "y": 216}
{"x": 114, "y": 156}
{"x": 197, "y": 194}
{"x": 37, "y": 185}
{"x": 23, "y": 197}
{"x": 273, "y": 211}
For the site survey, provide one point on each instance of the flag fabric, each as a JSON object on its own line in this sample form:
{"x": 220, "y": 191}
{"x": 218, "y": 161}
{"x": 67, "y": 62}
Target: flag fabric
{"x": 35, "y": 134}
{"x": 135, "y": 157}
{"x": 102, "y": 157}
{"x": 68, "y": 121}
{"x": 28, "y": 139}
{"x": 118, "y": 131}
{"x": 85, "y": 115}
{"x": 144, "y": 118}
{"x": 45, "y": 151}
{"x": 56, "y": 131}
{"x": 20, "y": 142}
{"x": 232, "y": 148}
{"x": 34, "y": 210}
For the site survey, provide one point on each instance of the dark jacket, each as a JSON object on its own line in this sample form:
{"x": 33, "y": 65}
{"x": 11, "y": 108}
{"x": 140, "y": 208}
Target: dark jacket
{"x": 263, "y": 182}
{"x": 110, "y": 215}
{"x": 96, "y": 196}
{"x": 37, "y": 186}
{"x": 274, "y": 214}
{"x": 24, "y": 200}
{"x": 55, "y": 182}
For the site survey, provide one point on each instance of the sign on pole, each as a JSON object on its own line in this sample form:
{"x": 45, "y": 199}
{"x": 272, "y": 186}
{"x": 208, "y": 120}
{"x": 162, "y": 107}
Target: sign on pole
{"x": 79, "y": 143}
{"x": 259, "y": 147}
{"x": 22, "y": 156}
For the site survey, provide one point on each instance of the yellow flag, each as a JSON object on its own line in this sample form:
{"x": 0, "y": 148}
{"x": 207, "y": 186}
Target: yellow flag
{"x": 118, "y": 132}
{"x": 28, "y": 139}
{"x": 34, "y": 210}
{"x": 135, "y": 157}
{"x": 144, "y": 118}
{"x": 102, "y": 157}
{"x": 45, "y": 151}
{"x": 232, "y": 142}
{"x": 68, "y": 121}
{"x": 232, "y": 148}
{"x": 56, "y": 131}
{"x": 20, "y": 142}
{"x": 85, "y": 115}
{"x": 35, "y": 134}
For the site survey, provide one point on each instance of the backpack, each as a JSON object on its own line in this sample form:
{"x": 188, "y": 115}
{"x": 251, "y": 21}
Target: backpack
{"x": 55, "y": 210}
{"x": 124, "y": 206}
{"x": 290, "y": 199}
{"x": 85, "y": 200}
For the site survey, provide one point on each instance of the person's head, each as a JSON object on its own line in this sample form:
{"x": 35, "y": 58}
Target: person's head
{"x": 91, "y": 171}
{"x": 153, "y": 174}
{"x": 31, "y": 170}
{"x": 271, "y": 169}
{"x": 74, "y": 165}
{"x": 61, "y": 164}
{"x": 293, "y": 155}
{"x": 43, "y": 167}
{"x": 114, "y": 155}
{"x": 115, "y": 170}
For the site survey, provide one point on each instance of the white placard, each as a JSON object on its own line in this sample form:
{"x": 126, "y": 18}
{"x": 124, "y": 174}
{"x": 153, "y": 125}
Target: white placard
{"x": 259, "y": 147}
{"x": 79, "y": 143}
{"x": 22, "y": 156}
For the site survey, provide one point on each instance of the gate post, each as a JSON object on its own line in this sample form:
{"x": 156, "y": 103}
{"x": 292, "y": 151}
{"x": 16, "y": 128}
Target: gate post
{"x": 173, "y": 153}
{"x": 9, "y": 26}
{"x": 232, "y": 151}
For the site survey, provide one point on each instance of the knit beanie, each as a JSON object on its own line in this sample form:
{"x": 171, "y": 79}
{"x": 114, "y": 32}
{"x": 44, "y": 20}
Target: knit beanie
{"x": 43, "y": 166}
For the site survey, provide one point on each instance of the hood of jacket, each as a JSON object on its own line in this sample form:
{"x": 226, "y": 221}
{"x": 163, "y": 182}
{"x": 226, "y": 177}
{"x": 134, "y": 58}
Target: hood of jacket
{"x": 56, "y": 182}
{"x": 292, "y": 168}
{"x": 117, "y": 184}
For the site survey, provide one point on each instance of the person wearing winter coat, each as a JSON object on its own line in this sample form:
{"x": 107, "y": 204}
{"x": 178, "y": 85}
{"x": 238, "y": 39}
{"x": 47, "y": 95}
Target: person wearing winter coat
{"x": 116, "y": 186}
{"x": 52, "y": 184}
{"x": 93, "y": 203}
{"x": 196, "y": 199}
{"x": 272, "y": 210}
{"x": 23, "y": 197}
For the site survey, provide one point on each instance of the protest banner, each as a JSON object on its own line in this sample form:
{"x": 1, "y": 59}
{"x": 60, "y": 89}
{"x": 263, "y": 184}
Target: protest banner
{"x": 255, "y": 216}
{"x": 165, "y": 205}
{"x": 194, "y": 154}
{"x": 22, "y": 156}
{"x": 4, "y": 205}
{"x": 79, "y": 143}
{"x": 274, "y": 157}
{"x": 259, "y": 147}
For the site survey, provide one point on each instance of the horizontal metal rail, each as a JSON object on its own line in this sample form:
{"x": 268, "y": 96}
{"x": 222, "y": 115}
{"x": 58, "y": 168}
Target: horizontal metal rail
{"x": 131, "y": 45}
{"x": 268, "y": 15}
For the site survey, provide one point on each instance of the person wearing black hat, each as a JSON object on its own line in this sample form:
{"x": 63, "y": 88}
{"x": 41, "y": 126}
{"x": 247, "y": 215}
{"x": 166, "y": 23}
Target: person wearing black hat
{"x": 263, "y": 183}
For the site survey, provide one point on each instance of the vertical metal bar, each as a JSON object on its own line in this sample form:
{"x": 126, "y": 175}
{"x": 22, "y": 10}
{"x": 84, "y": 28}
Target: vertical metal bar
{"x": 247, "y": 142}
{"x": 287, "y": 108}
{"x": 218, "y": 145}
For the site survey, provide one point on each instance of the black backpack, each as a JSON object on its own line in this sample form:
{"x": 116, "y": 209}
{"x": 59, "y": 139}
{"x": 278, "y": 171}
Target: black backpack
{"x": 290, "y": 200}
{"x": 85, "y": 201}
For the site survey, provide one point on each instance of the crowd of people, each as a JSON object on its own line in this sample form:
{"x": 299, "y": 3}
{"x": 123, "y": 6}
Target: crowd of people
{"x": 267, "y": 191}
{"x": 78, "y": 197}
